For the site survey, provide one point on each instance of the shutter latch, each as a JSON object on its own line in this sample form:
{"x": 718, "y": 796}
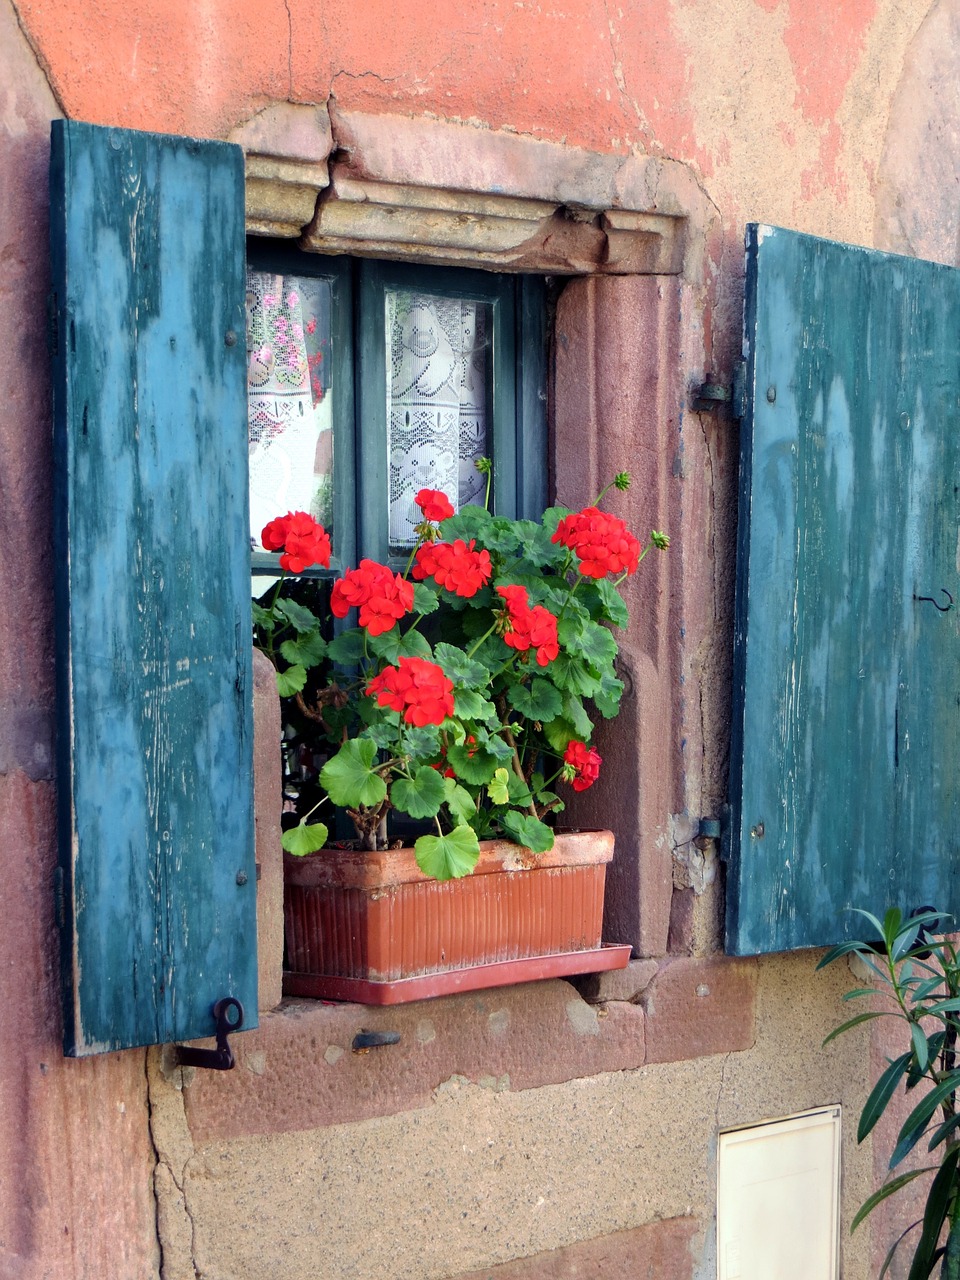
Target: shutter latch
{"x": 221, "y": 1058}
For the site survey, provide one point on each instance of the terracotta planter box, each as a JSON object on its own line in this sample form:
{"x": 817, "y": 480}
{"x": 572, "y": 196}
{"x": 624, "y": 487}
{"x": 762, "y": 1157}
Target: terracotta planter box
{"x": 372, "y": 927}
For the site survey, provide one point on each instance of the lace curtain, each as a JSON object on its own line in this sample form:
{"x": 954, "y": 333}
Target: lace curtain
{"x": 288, "y": 378}
{"x": 436, "y": 402}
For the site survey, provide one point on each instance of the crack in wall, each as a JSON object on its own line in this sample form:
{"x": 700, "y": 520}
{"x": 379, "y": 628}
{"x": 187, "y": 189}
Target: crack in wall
{"x": 286, "y": 5}
{"x": 176, "y": 1227}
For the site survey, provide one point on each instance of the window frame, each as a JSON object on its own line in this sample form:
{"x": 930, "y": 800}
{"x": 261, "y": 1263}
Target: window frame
{"x": 517, "y": 388}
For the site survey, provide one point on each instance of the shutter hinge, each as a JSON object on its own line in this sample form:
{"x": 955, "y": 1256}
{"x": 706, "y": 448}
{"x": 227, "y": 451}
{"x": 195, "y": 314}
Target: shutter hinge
{"x": 711, "y": 395}
{"x": 53, "y": 324}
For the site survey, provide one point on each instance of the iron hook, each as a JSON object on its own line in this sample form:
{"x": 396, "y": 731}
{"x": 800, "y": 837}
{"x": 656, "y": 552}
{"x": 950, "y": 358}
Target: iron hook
{"x": 942, "y": 608}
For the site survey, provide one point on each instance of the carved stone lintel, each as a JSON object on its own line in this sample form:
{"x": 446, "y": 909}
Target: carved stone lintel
{"x": 441, "y": 192}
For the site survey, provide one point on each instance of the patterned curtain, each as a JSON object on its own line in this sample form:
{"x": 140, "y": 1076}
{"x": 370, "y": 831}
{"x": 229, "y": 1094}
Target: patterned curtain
{"x": 436, "y": 402}
{"x": 288, "y": 377}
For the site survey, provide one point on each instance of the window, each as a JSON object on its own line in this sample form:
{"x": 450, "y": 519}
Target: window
{"x": 368, "y": 381}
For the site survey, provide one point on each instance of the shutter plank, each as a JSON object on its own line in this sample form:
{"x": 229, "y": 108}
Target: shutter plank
{"x": 152, "y": 548}
{"x": 844, "y": 758}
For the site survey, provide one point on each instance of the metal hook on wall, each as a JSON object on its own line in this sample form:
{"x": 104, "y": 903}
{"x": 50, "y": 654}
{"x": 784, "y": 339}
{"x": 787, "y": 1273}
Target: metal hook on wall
{"x": 942, "y": 608}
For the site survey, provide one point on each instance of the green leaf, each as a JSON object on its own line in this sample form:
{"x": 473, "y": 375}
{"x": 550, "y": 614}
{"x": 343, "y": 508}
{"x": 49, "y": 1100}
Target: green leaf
{"x": 349, "y": 779}
{"x": 347, "y": 648}
{"x": 391, "y": 646}
{"x": 425, "y": 599}
{"x": 494, "y": 745}
{"x": 887, "y": 1189}
{"x": 916, "y": 1122}
{"x": 308, "y": 649}
{"x": 498, "y": 789}
{"x": 895, "y": 1246}
{"x": 540, "y": 701}
{"x": 608, "y": 697}
{"x": 471, "y": 706}
{"x": 459, "y": 668}
{"x": 300, "y": 618}
{"x": 459, "y": 801}
{"x": 527, "y": 830}
{"x": 854, "y": 1022}
{"x": 383, "y": 732}
{"x": 596, "y": 644}
{"x": 574, "y": 713}
{"x": 559, "y": 733}
{"x": 472, "y": 763}
{"x": 421, "y": 796}
{"x": 518, "y": 791}
{"x": 291, "y": 681}
{"x": 945, "y": 1130}
{"x": 469, "y": 522}
{"x": 919, "y": 1045}
{"x": 448, "y": 857}
{"x": 421, "y": 742}
{"x": 881, "y": 1094}
{"x": 573, "y": 675}
{"x": 938, "y": 1203}
{"x": 613, "y": 606}
{"x": 305, "y": 838}
{"x": 262, "y": 617}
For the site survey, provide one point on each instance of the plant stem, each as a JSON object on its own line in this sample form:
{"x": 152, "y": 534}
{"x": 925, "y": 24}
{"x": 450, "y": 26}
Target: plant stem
{"x": 486, "y": 635}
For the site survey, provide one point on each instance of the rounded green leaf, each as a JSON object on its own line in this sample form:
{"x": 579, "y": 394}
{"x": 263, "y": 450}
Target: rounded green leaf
{"x": 305, "y": 838}
{"x": 459, "y": 668}
{"x": 421, "y": 796}
{"x": 299, "y": 617}
{"x": 459, "y": 802}
{"x": 448, "y": 857}
{"x": 291, "y": 681}
{"x": 498, "y": 789}
{"x": 472, "y": 764}
{"x": 539, "y": 701}
{"x": 529, "y": 831}
{"x": 308, "y": 649}
{"x": 349, "y": 778}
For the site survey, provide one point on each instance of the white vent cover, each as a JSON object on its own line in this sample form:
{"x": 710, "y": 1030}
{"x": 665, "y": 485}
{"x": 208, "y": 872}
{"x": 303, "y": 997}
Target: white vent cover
{"x": 778, "y": 1199}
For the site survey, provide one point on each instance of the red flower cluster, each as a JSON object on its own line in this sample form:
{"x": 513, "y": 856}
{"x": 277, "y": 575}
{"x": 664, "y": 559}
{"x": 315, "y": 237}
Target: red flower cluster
{"x": 454, "y": 565}
{"x": 381, "y": 596}
{"x": 417, "y": 688}
{"x": 434, "y": 504}
{"x": 581, "y": 765}
{"x": 529, "y": 628}
{"x": 601, "y": 542}
{"x": 302, "y": 540}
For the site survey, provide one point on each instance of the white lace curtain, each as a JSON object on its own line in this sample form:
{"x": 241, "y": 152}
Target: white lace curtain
{"x": 288, "y": 377}
{"x": 436, "y": 402}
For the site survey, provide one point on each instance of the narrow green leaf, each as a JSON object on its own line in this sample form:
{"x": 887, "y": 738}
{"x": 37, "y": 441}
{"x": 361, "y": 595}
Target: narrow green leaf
{"x": 945, "y": 1130}
{"x": 291, "y": 681}
{"x": 858, "y": 993}
{"x": 919, "y": 1045}
{"x": 887, "y": 1189}
{"x": 894, "y": 1247}
{"x": 846, "y": 949}
{"x": 881, "y": 1094}
{"x": 305, "y": 838}
{"x": 916, "y": 1122}
{"x": 951, "y": 1254}
{"x": 938, "y": 1203}
{"x": 348, "y": 778}
{"x": 855, "y": 1022}
{"x": 448, "y": 857}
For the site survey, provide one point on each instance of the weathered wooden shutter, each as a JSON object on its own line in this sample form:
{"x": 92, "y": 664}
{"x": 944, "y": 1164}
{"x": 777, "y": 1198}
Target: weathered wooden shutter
{"x": 158, "y": 901}
{"x": 845, "y": 789}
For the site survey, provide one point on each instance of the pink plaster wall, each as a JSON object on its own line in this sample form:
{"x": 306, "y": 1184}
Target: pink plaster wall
{"x": 76, "y": 1161}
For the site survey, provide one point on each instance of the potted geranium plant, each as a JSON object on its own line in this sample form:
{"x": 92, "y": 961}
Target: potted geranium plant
{"x": 459, "y": 701}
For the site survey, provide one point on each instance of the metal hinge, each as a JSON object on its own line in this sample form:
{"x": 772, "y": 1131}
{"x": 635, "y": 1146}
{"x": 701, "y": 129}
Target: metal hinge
{"x": 710, "y": 394}
{"x": 221, "y": 1058}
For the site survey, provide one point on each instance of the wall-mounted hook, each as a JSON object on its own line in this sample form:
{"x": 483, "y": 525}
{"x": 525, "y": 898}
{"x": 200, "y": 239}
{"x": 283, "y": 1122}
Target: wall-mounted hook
{"x": 943, "y": 608}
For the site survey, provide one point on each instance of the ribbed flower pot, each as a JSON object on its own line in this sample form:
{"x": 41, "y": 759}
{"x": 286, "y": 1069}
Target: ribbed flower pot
{"x": 372, "y": 928}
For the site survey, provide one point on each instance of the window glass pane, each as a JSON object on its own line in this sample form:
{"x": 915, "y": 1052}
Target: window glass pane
{"x": 437, "y": 377}
{"x": 288, "y": 396}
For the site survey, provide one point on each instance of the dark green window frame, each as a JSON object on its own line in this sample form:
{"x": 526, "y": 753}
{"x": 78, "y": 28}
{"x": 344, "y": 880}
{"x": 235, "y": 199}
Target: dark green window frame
{"x": 517, "y": 388}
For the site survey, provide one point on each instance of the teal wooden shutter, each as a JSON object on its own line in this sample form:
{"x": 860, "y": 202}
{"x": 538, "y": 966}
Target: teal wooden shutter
{"x": 158, "y": 887}
{"x": 844, "y": 757}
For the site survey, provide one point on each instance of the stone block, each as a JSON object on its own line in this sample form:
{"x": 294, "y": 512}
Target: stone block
{"x": 657, "y": 1251}
{"x": 617, "y": 984}
{"x": 696, "y": 1007}
{"x": 266, "y": 806}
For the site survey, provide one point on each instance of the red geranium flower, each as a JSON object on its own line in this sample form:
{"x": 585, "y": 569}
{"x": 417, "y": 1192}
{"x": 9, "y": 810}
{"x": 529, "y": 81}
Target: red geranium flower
{"x": 454, "y": 565}
{"x": 303, "y": 541}
{"x": 434, "y": 504}
{"x": 601, "y": 542}
{"x": 581, "y": 765}
{"x": 417, "y": 688}
{"x": 529, "y": 628}
{"x": 381, "y": 596}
